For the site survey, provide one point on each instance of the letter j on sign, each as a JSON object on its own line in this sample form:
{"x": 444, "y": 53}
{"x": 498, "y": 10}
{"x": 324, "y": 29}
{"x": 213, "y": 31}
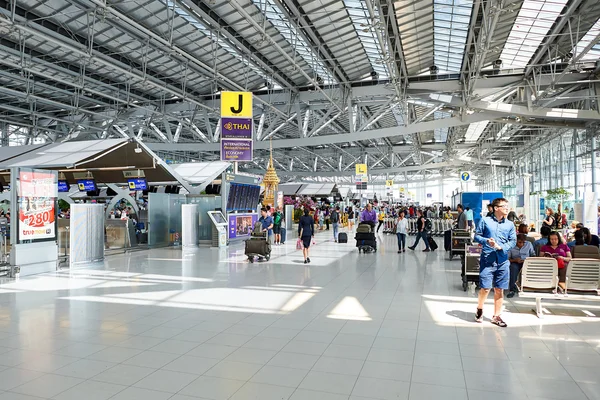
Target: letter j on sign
{"x": 236, "y": 104}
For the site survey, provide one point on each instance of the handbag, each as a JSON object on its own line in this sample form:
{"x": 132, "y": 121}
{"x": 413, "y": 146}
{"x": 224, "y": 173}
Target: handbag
{"x": 299, "y": 245}
{"x": 560, "y": 262}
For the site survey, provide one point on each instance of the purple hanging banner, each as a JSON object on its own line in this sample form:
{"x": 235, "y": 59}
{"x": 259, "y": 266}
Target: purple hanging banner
{"x": 236, "y": 150}
{"x": 236, "y": 128}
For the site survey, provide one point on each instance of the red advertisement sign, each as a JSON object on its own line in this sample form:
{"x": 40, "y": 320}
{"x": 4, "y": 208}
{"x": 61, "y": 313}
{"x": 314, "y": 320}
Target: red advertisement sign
{"x": 37, "y": 194}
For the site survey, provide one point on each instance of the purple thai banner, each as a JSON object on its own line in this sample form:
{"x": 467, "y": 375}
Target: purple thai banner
{"x": 241, "y": 225}
{"x": 236, "y": 128}
{"x": 236, "y": 150}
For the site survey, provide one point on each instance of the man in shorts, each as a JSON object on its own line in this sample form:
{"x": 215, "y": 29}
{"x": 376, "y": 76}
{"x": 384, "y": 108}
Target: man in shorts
{"x": 497, "y": 235}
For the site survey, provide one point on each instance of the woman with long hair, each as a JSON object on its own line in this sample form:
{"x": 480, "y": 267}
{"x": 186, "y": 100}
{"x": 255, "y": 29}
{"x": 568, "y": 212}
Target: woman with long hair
{"x": 561, "y": 252}
{"x": 549, "y": 221}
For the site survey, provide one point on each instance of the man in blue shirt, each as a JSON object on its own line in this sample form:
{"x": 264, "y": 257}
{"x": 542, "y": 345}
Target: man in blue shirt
{"x": 369, "y": 215}
{"x": 497, "y": 235}
{"x": 517, "y": 256}
{"x": 267, "y": 224}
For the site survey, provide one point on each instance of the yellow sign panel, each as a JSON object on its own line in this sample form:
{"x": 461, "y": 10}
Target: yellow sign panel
{"x": 402, "y": 190}
{"x": 361, "y": 169}
{"x": 389, "y": 183}
{"x": 236, "y": 104}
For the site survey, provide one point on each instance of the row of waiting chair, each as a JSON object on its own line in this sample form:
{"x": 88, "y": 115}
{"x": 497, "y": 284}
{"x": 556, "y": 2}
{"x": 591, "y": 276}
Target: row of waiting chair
{"x": 540, "y": 274}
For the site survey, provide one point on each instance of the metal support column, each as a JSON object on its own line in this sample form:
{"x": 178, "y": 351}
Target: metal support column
{"x": 562, "y": 164}
{"x": 575, "y": 163}
{"x": 593, "y": 145}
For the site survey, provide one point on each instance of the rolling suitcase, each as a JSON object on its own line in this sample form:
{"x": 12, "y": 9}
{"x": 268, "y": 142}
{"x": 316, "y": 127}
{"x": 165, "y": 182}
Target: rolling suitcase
{"x": 448, "y": 240}
{"x": 342, "y": 237}
{"x": 432, "y": 244}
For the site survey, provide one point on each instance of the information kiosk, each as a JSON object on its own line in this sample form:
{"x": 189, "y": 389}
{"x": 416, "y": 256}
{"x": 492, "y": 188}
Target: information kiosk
{"x": 219, "y": 235}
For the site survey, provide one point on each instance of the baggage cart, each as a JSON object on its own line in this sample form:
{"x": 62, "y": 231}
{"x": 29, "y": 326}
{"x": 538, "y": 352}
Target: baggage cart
{"x": 470, "y": 266}
{"x": 258, "y": 245}
{"x": 461, "y": 238}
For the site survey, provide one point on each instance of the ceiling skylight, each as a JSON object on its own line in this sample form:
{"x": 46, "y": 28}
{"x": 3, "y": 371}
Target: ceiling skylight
{"x": 533, "y": 23}
{"x": 475, "y": 130}
{"x": 594, "y": 53}
{"x": 451, "y": 20}
{"x": 294, "y": 38}
{"x": 440, "y": 135}
{"x": 207, "y": 32}
{"x": 363, "y": 26}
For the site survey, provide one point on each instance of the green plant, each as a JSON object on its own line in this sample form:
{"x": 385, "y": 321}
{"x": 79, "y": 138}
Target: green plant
{"x": 298, "y": 212}
{"x": 63, "y": 205}
{"x": 558, "y": 194}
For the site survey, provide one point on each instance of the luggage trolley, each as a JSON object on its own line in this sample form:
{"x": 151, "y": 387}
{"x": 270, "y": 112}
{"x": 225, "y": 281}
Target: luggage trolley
{"x": 460, "y": 239}
{"x": 258, "y": 244}
{"x": 470, "y": 266}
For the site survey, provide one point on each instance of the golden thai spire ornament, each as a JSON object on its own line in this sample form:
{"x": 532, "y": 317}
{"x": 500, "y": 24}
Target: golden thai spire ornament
{"x": 271, "y": 181}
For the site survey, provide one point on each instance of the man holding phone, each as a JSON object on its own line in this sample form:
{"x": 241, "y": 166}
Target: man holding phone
{"x": 497, "y": 235}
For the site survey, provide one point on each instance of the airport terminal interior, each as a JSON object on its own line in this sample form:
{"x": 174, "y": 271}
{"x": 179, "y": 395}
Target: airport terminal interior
{"x": 299, "y": 199}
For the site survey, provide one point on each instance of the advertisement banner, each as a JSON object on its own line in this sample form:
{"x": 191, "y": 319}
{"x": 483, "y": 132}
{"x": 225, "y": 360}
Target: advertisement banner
{"x": 37, "y": 194}
{"x": 236, "y": 128}
{"x": 236, "y": 150}
{"x": 241, "y": 225}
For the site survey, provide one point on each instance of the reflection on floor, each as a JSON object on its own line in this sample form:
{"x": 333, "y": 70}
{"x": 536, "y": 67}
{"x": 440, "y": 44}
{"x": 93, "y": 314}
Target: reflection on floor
{"x": 207, "y": 325}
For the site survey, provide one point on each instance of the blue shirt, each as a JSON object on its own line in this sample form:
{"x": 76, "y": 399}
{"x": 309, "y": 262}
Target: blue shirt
{"x": 504, "y": 234}
{"x": 523, "y": 252}
{"x": 469, "y": 215}
{"x": 540, "y": 242}
{"x": 267, "y": 222}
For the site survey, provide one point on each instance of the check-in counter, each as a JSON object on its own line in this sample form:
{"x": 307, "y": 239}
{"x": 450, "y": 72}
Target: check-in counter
{"x": 120, "y": 234}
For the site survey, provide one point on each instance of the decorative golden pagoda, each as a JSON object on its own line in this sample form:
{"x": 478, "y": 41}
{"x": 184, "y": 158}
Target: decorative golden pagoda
{"x": 271, "y": 182}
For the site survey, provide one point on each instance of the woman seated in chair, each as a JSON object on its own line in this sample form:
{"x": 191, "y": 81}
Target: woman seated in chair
{"x": 561, "y": 252}
{"x": 578, "y": 240}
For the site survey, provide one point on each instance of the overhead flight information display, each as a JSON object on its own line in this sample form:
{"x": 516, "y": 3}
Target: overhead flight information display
{"x": 242, "y": 197}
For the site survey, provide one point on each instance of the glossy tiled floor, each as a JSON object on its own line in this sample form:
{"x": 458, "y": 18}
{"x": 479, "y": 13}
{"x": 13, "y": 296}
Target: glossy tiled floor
{"x": 208, "y": 325}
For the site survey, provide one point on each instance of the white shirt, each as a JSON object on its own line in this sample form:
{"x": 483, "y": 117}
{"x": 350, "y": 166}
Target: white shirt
{"x": 402, "y": 226}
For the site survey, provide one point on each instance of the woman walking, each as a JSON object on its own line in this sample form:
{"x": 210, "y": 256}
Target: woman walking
{"x": 401, "y": 231}
{"x": 306, "y": 231}
{"x": 350, "y": 218}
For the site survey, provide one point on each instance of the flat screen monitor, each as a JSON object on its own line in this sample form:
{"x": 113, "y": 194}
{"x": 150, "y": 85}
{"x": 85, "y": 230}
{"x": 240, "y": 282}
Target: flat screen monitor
{"x": 218, "y": 217}
{"x": 63, "y": 186}
{"x": 137, "y": 184}
{"x": 86, "y": 185}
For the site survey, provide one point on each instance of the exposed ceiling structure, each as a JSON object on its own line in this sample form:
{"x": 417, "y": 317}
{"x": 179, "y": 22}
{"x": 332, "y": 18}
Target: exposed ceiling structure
{"x": 417, "y": 89}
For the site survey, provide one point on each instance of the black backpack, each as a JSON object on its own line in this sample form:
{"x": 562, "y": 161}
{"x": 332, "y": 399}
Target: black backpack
{"x": 427, "y": 225}
{"x": 335, "y": 217}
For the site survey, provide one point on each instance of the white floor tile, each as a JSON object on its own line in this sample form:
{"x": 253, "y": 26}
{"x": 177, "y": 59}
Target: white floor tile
{"x": 293, "y": 360}
{"x": 303, "y": 394}
{"x": 261, "y": 391}
{"x": 133, "y": 393}
{"x": 328, "y": 382}
{"x": 397, "y": 372}
{"x": 47, "y": 385}
{"x": 419, "y": 391}
{"x": 233, "y": 370}
{"x": 91, "y": 390}
{"x": 212, "y": 388}
{"x": 250, "y": 355}
{"x": 338, "y": 365}
{"x": 280, "y": 376}
{"x": 151, "y": 359}
{"x": 350, "y": 352}
{"x": 114, "y": 354}
{"x": 84, "y": 369}
{"x": 173, "y": 346}
{"x": 385, "y": 389}
{"x": 123, "y": 374}
{"x": 166, "y": 381}
{"x": 13, "y": 377}
{"x": 438, "y": 376}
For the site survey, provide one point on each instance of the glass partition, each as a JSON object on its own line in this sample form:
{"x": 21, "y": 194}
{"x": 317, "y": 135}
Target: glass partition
{"x": 164, "y": 218}
{"x": 205, "y": 204}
